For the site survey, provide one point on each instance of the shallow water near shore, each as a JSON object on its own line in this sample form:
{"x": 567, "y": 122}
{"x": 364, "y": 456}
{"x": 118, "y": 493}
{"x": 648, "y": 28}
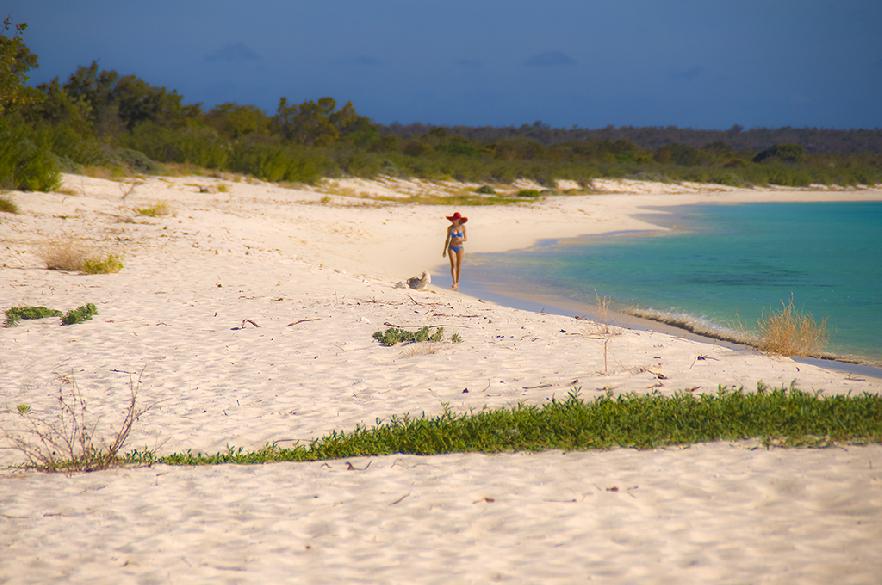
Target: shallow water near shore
{"x": 719, "y": 267}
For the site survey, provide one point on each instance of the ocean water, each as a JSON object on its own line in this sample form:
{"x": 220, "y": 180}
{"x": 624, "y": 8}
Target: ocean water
{"x": 723, "y": 265}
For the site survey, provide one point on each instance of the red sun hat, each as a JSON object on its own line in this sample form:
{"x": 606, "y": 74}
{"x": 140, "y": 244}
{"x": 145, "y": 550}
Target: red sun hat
{"x": 457, "y": 216}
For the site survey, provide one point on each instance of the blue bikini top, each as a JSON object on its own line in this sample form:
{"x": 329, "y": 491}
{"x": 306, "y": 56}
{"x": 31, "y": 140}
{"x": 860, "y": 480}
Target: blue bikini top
{"x": 457, "y": 235}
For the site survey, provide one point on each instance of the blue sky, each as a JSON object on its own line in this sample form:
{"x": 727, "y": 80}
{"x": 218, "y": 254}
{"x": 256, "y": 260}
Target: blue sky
{"x": 693, "y": 63}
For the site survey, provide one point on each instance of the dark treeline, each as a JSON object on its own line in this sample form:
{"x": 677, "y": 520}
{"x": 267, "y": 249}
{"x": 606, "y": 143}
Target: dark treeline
{"x": 101, "y": 120}
{"x": 813, "y": 140}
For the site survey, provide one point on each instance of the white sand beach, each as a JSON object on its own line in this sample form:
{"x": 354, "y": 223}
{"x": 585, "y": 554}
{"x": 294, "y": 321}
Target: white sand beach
{"x": 250, "y": 311}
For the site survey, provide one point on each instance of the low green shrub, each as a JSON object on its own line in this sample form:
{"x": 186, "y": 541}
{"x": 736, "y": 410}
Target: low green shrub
{"x": 486, "y": 190}
{"x": 395, "y": 335}
{"x": 26, "y": 158}
{"x": 80, "y": 314}
{"x": 529, "y": 193}
{"x": 106, "y": 265}
{"x": 8, "y": 206}
{"x": 16, "y": 314}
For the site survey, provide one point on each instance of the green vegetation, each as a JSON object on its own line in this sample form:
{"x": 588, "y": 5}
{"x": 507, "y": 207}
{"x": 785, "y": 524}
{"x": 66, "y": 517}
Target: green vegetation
{"x": 66, "y": 254}
{"x": 486, "y": 190}
{"x": 396, "y": 335}
{"x": 16, "y": 314}
{"x": 158, "y": 209}
{"x": 106, "y": 265}
{"x": 103, "y": 122}
{"x": 529, "y": 193}
{"x": 80, "y": 314}
{"x": 8, "y": 206}
{"x": 783, "y": 417}
{"x": 26, "y": 160}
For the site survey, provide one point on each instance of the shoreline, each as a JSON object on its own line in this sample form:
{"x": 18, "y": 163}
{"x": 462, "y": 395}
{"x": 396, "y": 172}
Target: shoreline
{"x": 640, "y": 322}
{"x": 665, "y": 220}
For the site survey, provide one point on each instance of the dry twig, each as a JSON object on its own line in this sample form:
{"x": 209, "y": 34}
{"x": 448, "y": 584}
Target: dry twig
{"x": 66, "y": 441}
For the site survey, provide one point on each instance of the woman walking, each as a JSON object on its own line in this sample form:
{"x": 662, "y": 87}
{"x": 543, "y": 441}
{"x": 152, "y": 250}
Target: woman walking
{"x": 454, "y": 247}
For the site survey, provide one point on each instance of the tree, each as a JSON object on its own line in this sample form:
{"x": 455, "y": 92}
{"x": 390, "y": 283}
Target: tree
{"x": 789, "y": 153}
{"x": 58, "y": 107}
{"x": 16, "y": 59}
{"x": 320, "y": 123}
{"x": 119, "y": 102}
{"x": 238, "y": 121}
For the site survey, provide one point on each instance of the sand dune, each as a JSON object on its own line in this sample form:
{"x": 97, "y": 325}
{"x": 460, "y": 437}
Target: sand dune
{"x": 316, "y": 274}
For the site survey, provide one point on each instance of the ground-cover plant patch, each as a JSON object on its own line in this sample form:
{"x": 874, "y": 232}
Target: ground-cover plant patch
{"x": 777, "y": 417}
{"x": 80, "y": 314}
{"x": 395, "y": 335}
{"x": 16, "y": 314}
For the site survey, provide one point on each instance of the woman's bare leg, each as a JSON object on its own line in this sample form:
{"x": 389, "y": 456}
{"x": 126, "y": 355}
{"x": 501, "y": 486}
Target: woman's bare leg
{"x": 459, "y": 256}
{"x": 453, "y": 272}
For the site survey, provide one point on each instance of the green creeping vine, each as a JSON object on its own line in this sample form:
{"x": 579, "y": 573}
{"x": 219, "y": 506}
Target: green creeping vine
{"x": 778, "y": 417}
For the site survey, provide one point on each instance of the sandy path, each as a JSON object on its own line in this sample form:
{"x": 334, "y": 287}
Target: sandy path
{"x": 281, "y": 255}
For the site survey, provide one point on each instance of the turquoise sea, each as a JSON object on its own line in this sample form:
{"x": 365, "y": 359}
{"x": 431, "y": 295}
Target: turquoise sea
{"x": 722, "y": 265}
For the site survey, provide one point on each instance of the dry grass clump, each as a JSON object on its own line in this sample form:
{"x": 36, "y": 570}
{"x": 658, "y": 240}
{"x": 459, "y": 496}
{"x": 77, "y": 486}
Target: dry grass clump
{"x": 792, "y": 332}
{"x": 158, "y": 209}
{"x": 66, "y": 439}
{"x": 8, "y": 206}
{"x": 65, "y": 254}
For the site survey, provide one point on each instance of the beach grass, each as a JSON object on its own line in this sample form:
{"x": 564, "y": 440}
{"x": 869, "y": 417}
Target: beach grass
{"x": 791, "y": 332}
{"x": 158, "y": 209}
{"x": 65, "y": 254}
{"x": 786, "y": 417}
{"x": 446, "y": 197}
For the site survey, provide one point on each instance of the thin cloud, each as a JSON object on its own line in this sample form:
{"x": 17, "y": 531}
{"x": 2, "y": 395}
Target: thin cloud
{"x": 550, "y": 59}
{"x": 233, "y": 52}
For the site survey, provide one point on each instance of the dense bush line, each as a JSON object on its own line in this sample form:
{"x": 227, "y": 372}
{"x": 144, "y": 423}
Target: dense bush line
{"x": 100, "y": 118}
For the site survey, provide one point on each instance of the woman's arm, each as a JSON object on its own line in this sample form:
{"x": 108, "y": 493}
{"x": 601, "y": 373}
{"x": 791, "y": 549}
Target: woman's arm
{"x": 465, "y": 234}
{"x": 446, "y": 244}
